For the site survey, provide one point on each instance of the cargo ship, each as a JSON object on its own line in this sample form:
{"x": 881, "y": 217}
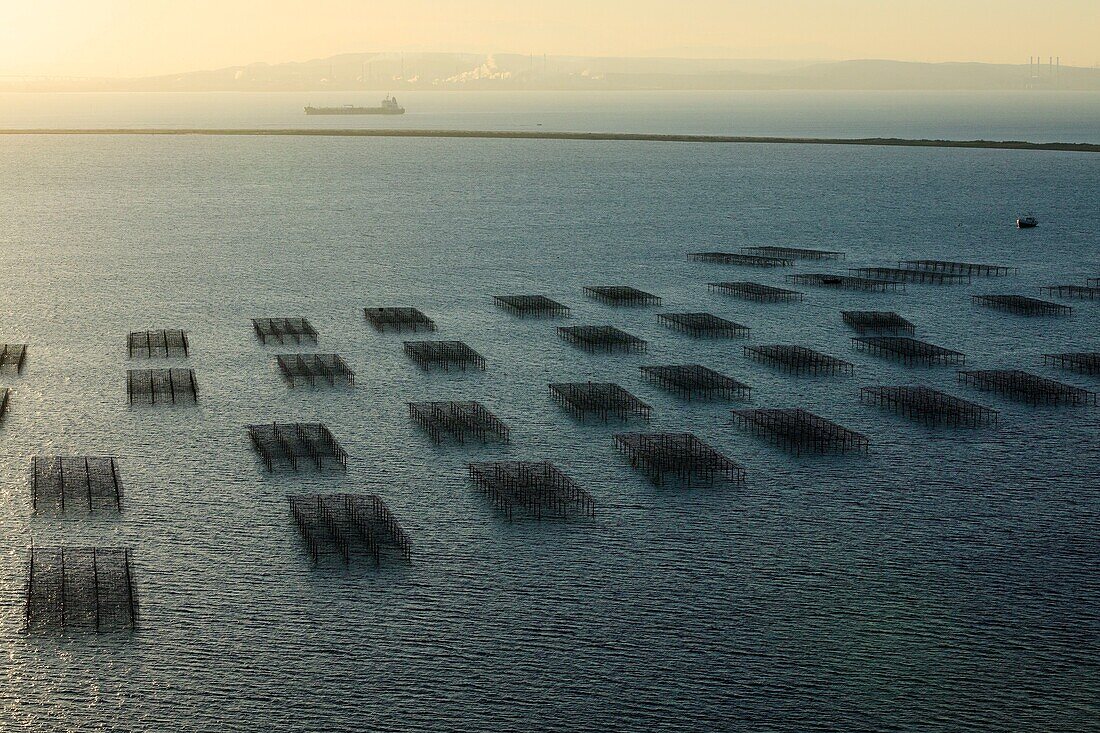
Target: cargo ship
{"x": 389, "y": 107}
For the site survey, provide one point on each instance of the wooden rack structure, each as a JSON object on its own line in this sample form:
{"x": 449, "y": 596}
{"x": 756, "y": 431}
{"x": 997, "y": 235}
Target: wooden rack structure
{"x": 682, "y": 457}
{"x": 930, "y": 406}
{"x": 292, "y": 446}
{"x": 460, "y": 421}
{"x": 600, "y": 399}
{"x": 538, "y": 306}
{"x": 349, "y": 526}
{"x": 79, "y": 589}
{"x": 799, "y": 430}
{"x": 537, "y": 489}
{"x": 756, "y": 291}
{"x": 84, "y": 484}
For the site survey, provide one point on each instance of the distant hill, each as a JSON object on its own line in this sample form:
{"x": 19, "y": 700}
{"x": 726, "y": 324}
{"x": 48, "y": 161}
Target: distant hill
{"x": 393, "y": 72}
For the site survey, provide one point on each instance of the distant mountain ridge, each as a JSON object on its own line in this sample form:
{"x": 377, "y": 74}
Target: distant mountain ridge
{"x": 394, "y": 72}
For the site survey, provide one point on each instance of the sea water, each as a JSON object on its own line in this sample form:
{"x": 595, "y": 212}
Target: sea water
{"x": 945, "y": 580}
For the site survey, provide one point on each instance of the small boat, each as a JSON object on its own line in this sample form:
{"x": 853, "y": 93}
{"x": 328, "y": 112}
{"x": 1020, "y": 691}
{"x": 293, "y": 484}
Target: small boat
{"x": 1027, "y": 222}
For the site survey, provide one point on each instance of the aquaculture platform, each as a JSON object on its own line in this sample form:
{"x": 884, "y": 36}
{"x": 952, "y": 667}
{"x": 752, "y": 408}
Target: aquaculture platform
{"x": 799, "y": 430}
{"x": 798, "y": 359}
{"x": 12, "y": 356}
{"x": 83, "y": 484}
{"x": 908, "y": 350}
{"x": 901, "y": 274}
{"x": 161, "y": 386}
{"x": 929, "y": 406}
{"x": 398, "y": 319}
{"x": 348, "y": 526}
{"x": 459, "y": 421}
{"x": 163, "y": 343}
{"x": 679, "y": 456}
{"x": 538, "y": 306}
{"x": 1022, "y": 305}
{"x": 1072, "y": 291}
{"x": 621, "y": 295}
{"x": 1087, "y": 362}
{"x": 601, "y": 338}
{"x": 314, "y": 369}
{"x": 703, "y": 324}
{"x": 959, "y": 268}
{"x": 877, "y": 321}
{"x": 692, "y": 381}
{"x": 756, "y": 291}
{"x": 292, "y": 446}
{"x": 537, "y": 489}
{"x": 797, "y": 253}
{"x": 79, "y": 588}
{"x": 600, "y": 399}
{"x": 284, "y": 330}
{"x": 741, "y": 258}
{"x": 445, "y": 355}
{"x": 845, "y": 282}
{"x": 1027, "y": 387}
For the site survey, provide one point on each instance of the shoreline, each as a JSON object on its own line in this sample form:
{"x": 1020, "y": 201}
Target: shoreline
{"x": 581, "y": 136}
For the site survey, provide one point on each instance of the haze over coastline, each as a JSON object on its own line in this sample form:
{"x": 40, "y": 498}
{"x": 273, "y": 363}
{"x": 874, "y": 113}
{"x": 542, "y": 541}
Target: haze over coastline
{"x": 517, "y": 72}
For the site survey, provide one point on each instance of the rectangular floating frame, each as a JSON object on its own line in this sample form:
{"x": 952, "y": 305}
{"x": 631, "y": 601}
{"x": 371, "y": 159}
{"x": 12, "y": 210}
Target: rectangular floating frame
{"x": 460, "y": 421}
{"x": 756, "y": 291}
{"x": 741, "y": 258}
{"x": 908, "y": 350}
{"x": 679, "y": 456}
{"x": 538, "y": 489}
{"x": 84, "y": 484}
{"x": 901, "y": 274}
{"x": 1027, "y": 387}
{"x": 1071, "y": 291}
{"x": 538, "y": 306}
{"x": 930, "y": 406}
{"x": 959, "y": 268}
{"x": 621, "y": 295}
{"x": 601, "y": 338}
{"x": 292, "y": 446}
{"x": 798, "y": 253}
{"x": 349, "y": 526}
{"x": 161, "y": 386}
{"x": 703, "y": 324}
{"x": 798, "y": 359}
{"x": 877, "y": 321}
{"x": 314, "y": 369}
{"x": 601, "y": 399}
{"x": 692, "y": 381}
{"x": 163, "y": 343}
{"x": 799, "y": 431}
{"x": 79, "y": 589}
{"x": 1022, "y": 305}
{"x": 398, "y": 319}
{"x": 1087, "y": 362}
{"x": 284, "y": 330}
{"x": 845, "y": 282}
{"x": 1093, "y": 282}
{"x": 446, "y": 355}
{"x": 12, "y": 356}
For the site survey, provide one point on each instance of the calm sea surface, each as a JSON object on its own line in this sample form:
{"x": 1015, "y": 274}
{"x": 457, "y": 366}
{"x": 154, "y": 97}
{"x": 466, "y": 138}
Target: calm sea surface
{"x": 1034, "y": 116}
{"x": 947, "y": 580}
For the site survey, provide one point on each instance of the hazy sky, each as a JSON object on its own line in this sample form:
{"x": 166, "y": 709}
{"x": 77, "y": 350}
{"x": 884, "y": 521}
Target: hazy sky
{"x": 139, "y": 37}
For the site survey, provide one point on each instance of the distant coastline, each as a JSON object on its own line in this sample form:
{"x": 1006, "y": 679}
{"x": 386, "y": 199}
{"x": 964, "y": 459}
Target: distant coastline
{"x": 589, "y": 136}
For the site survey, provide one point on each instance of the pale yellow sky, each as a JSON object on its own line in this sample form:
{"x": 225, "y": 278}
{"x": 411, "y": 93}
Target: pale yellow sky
{"x": 144, "y": 37}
